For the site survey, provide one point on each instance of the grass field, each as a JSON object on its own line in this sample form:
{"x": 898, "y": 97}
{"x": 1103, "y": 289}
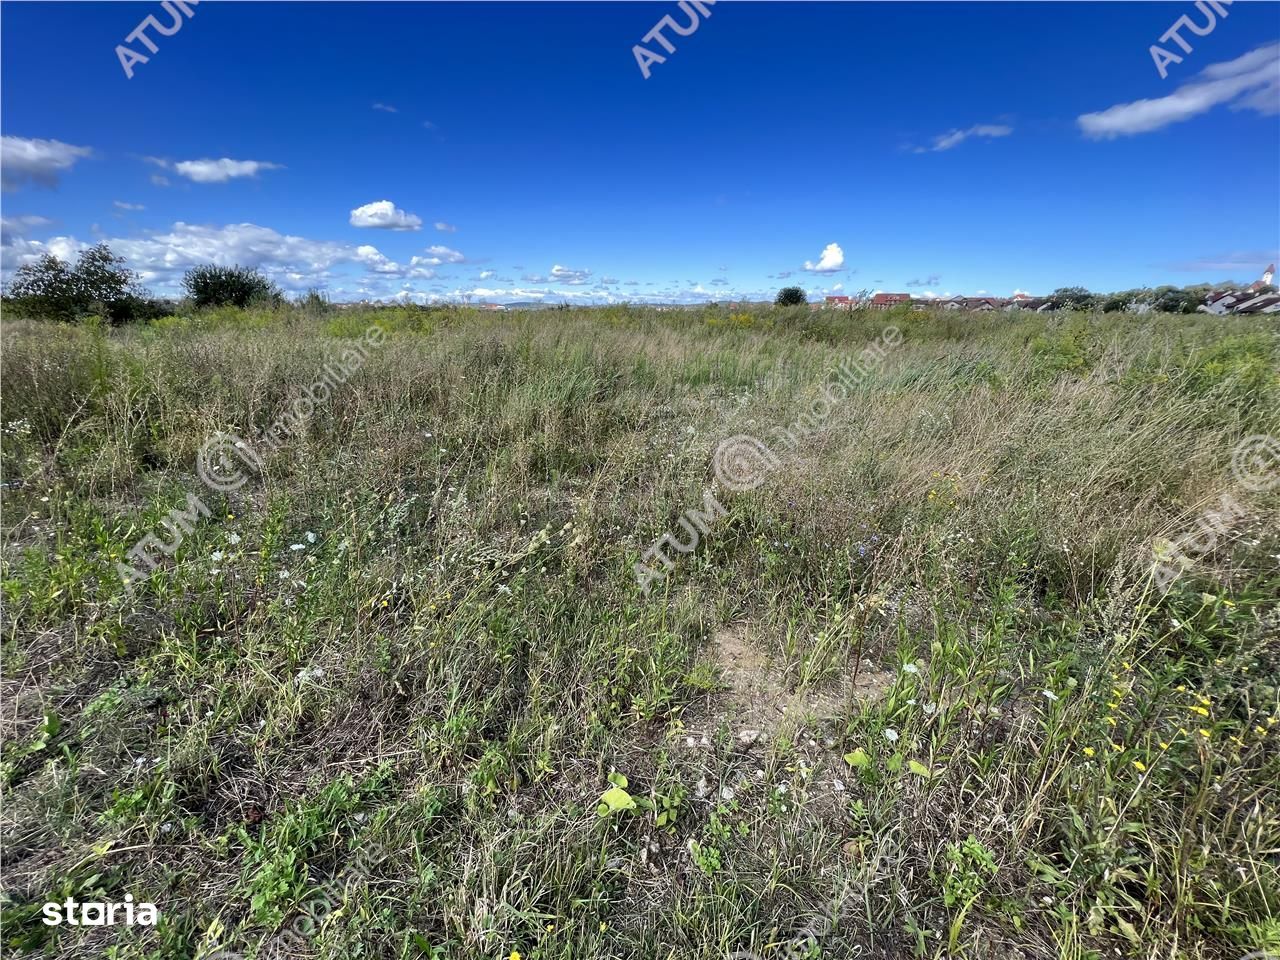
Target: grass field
{"x": 915, "y": 695}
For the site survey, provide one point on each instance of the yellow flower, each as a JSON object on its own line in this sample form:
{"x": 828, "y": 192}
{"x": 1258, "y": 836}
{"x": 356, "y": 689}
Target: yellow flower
{"x": 1088, "y": 751}
{"x": 551, "y": 928}
{"x": 1200, "y": 710}
{"x": 1142, "y": 767}
{"x": 515, "y": 955}
{"x": 603, "y": 926}
{"x": 1181, "y": 688}
{"x": 1262, "y": 732}
{"x": 1204, "y": 733}
{"x": 1116, "y": 747}
{"x": 1235, "y": 739}
{"x": 1205, "y": 700}
{"x": 1163, "y": 745}
{"x": 1111, "y": 720}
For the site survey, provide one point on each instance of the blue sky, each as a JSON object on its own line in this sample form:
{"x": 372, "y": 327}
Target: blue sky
{"x": 942, "y": 148}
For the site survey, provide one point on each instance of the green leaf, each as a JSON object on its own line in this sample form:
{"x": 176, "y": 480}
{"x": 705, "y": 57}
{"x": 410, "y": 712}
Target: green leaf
{"x": 613, "y": 800}
{"x": 894, "y": 763}
{"x": 857, "y": 758}
{"x": 919, "y": 769}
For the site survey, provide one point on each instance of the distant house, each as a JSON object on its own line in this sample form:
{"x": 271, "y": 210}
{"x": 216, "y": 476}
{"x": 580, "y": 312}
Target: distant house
{"x": 886, "y": 301}
{"x": 840, "y": 303}
{"x": 1024, "y": 302}
{"x": 1267, "y": 274}
{"x": 1267, "y": 303}
{"x": 982, "y": 304}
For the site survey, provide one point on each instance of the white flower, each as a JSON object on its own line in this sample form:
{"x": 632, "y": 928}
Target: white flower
{"x": 929, "y": 708}
{"x": 311, "y": 537}
{"x": 891, "y": 735}
{"x": 233, "y": 538}
{"x": 296, "y": 546}
{"x": 727, "y": 793}
{"x": 284, "y": 574}
{"x": 837, "y": 785}
{"x": 1049, "y": 695}
{"x": 910, "y": 668}
{"x": 216, "y": 556}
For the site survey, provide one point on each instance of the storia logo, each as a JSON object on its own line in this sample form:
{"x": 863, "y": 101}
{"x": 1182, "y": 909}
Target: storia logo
{"x": 79, "y": 913}
{"x": 1161, "y": 56}
{"x": 692, "y": 8}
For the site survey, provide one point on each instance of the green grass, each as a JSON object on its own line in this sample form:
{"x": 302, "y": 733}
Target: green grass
{"x": 373, "y": 704}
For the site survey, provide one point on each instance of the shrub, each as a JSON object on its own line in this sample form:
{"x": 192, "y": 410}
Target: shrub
{"x": 99, "y": 284}
{"x": 791, "y": 297}
{"x": 214, "y": 286}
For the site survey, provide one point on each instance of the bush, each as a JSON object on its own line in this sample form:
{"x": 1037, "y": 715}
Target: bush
{"x": 791, "y": 297}
{"x": 99, "y": 284}
{"x": 214, "y": 286}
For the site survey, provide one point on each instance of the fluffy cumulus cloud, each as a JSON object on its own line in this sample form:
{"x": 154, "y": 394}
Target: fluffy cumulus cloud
{"x": 1250, "y": 82}
{"x": 24, "y": 161}
{"x": 832, "y": 259}
{"x": 384, "y": 215}
{"x": 214, "y": 171}
{"x": 953, "y": 138}
{"x": 562, "y": 275}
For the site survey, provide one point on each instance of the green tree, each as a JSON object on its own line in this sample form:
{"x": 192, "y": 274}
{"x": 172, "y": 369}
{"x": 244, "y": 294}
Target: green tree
{"x": 99, "y": 283}
{"x": 213, "y": 286}
{"x": 1072, "y": 298}
{"x": 791, "y": 297}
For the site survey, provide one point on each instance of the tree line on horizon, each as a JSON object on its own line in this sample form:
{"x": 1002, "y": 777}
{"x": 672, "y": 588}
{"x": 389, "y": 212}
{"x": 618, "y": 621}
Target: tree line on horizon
{"x": 100, "y": 284}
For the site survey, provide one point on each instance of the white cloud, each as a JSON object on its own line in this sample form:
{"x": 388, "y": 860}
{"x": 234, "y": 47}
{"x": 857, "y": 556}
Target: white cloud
{"x": 19, "y": 226}
{"x": 128, "y": 206}
{"x": 385, "y": 108}
{"x": 24, "y": 160}
{"x": 159, "y": 180}
{"x": 487, "y": 274}
{"x": 214, "y": 171}
{"x": 832, "y": 259}
{"x": 1250, "y": 82}
{"x": 445, "y": 227}
{"x": 385, "y": 215}
{"x": 445, "y": 255}
{"x": 953, "y": 138}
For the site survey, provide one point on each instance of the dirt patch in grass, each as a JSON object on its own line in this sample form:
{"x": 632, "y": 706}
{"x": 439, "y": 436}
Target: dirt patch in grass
{"x": 759, "y": 697}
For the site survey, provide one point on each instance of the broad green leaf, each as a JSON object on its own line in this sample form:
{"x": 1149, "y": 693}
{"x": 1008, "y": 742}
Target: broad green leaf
{"x": 857, "y": 758}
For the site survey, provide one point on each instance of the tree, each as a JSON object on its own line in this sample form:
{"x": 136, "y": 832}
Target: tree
{"x": 791, "y": 297}
{"x": 98, "y": 284}
{"x": 1071, "y": 298}
{"x": 214, "y": 286}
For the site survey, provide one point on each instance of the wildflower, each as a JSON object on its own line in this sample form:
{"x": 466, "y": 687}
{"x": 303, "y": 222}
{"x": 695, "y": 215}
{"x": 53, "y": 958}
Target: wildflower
{"x": 1163, "y": 745}
{"x": 515, "y": 955}
{"x": 891, "y": 735}
{"x": 1204, "y": 733}
{"x": 1089, "y": 751}
{"x": 216, "y": 556}
{"x": 296, "y": 547}
{"x": 1049, "y": 695}
{"x": 910, "y": 668}
{"x": 1204, "y": 700}
{"x": 1110, "y": 720}
{"x": 233, "y": 538}
{"x": 1181, "y": 688}
{"x": 311, "y": 537}
{"x": 1117, "y": 747}
{"x": 1140, "y": 766}
{"x": 1200, "y": 710}
{"x": 551, "y": 928}
{"x": 1260, "y": 730}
